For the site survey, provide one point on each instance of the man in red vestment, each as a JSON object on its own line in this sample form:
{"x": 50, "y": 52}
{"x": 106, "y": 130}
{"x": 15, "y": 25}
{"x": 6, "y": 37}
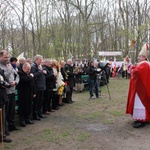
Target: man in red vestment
{"x": 138, "y": 104}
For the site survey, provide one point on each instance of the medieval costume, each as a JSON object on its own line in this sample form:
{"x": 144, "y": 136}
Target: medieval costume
{"x": 138, "y": 104}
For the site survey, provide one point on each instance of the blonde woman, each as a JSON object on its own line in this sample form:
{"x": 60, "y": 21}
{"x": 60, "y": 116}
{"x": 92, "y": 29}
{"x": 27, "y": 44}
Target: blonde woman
{"x": 59, "y": 85}
{"x": 64, "y": 76}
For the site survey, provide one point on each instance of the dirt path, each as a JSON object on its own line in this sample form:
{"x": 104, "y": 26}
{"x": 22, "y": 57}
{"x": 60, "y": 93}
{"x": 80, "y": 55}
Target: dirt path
{"x": 99, "y": 124}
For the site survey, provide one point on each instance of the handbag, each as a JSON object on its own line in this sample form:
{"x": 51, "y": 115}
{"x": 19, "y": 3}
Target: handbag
{"x": 67, "y": 88}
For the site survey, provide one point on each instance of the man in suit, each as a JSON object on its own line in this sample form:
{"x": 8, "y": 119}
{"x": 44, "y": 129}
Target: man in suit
{"x": 39, "y": 80}
{"x": 50, "y": 85}
{"x": 71, "y": 80}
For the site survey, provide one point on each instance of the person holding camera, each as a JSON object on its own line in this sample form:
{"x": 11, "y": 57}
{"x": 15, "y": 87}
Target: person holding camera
{"x": 93, "y": 80}
{"x": 13, "y": 79}
{"x": 3, "y": 100}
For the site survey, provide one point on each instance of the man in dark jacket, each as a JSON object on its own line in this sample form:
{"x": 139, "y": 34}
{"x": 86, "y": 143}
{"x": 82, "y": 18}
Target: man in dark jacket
{"x": 71, "y": 80}
{"x": 25, "y": 94}
{"x": 50, "y": 85}
{"x": 39, "y": 80}
{"x": 22, "y": 60}
{"x": 93, "y": 80}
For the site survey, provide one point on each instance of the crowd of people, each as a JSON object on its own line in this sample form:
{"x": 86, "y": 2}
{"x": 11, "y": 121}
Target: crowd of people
{"x": 44, "y": 85}
{"x": 40, "y": 86}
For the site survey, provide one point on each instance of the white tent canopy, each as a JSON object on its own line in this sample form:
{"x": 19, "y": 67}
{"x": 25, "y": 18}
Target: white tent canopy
{"x": 118, "y": 53}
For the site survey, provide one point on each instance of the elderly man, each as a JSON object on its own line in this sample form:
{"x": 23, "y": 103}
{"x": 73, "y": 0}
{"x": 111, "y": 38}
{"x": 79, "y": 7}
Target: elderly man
{"x": 29, "y": 60}
{"x": 13, "y": 79}
{"x": 22, "y": 60}
{"x": 50, "y": 85}
{"x": 138, "y": 104}
{"x": 25, "y": 94}
{"x": 4, "y": 71}
{"x": 39, "y": 80}
{"x": 70, "y": 79}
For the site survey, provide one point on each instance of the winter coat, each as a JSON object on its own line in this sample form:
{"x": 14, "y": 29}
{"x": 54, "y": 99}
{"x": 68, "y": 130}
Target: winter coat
{"x": 39, "y": 77}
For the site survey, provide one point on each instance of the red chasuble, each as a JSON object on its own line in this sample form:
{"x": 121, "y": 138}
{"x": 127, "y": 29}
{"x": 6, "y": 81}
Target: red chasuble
{"x": 140, "y": 84}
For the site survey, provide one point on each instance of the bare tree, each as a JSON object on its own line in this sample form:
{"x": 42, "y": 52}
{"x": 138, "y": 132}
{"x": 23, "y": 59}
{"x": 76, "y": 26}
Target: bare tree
{"x": 56, "y": 28}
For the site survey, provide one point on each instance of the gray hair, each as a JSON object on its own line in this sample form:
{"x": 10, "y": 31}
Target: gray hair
{"x": 29, "y": 59}
{"x": 47, "y": 60}
{"x": 26, "y": 64}
{"x": 22, "y": 59}
{"x": 69, "y": 60}
{"x": 37, "y": 57}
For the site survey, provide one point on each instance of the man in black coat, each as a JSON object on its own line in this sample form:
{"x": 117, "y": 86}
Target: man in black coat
{"x": 50, "y": 85}
{"x": 25, "y": 94}
{"x": 71, "y": 80}
{"x": 22, "y": 60}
